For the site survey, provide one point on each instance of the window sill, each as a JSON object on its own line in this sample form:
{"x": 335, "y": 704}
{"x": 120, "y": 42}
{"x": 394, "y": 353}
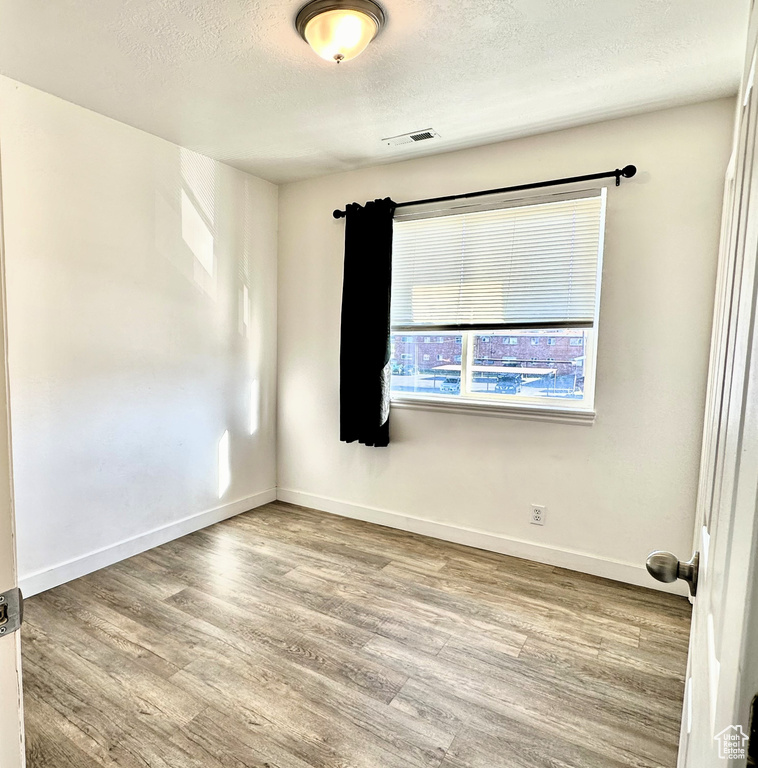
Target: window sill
{"x": 486, "y": 408}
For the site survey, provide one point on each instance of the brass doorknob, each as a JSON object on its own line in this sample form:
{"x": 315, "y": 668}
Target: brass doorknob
{"x": 665, "y": 567}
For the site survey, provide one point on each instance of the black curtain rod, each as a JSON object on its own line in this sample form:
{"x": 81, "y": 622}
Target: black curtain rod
{"x": 627, "y": 172}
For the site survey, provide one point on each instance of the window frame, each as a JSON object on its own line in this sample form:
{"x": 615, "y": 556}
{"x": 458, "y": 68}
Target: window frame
{"x": 517, "y": 406}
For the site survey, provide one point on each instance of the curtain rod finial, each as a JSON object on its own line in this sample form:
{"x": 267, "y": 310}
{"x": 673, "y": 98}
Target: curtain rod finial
{"x": 628, "y": 171}
{"x": 338, "y": 214}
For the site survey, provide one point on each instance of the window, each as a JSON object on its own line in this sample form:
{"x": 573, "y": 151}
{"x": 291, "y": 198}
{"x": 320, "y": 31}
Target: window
{"x": 495, "y": 275}
{"x": 429, "y": 379}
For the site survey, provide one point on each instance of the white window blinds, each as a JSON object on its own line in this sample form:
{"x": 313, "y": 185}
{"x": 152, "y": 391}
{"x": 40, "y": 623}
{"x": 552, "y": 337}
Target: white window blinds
{"x": 526, "y": 265}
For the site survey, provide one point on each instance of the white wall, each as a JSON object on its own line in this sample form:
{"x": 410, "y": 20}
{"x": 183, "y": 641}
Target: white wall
{"x": 129, "y": 354}
{"x": 614, "y": 490}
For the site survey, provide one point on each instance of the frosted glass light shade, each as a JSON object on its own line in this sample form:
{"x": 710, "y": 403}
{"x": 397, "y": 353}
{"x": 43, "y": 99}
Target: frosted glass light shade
{"x": 339, "y": 30}
{"x": 340, "y": 35}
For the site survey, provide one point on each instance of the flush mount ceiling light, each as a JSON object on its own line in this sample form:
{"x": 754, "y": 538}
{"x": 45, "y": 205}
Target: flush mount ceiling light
{"x": 338, "y": 30}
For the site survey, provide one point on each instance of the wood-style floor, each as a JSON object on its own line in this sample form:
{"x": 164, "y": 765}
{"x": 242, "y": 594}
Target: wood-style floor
{"x": 288, "y": 638}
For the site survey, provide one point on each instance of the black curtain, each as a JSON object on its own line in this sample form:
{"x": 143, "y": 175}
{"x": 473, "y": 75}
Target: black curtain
{"x": 365, "y": 336}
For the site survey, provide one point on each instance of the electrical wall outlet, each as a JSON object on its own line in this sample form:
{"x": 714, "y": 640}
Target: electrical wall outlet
{"x": 538, "y": 514}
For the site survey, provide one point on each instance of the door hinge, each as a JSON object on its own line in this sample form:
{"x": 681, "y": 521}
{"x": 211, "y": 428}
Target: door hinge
{"x": 11, "y": 611}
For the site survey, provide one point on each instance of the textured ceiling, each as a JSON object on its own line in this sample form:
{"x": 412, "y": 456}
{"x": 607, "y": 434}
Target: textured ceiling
{"x": 231, "y": 78}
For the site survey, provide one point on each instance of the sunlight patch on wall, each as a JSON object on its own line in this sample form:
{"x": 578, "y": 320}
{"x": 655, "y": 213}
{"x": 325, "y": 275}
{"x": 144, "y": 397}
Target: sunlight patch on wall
{"x": 196, "y": 234}
{"x": 198, "y": 205}
{"x": 199, "y": 175}
{"x": 224, "y": 467}
{"x": 255, "y": 406}
{"x": 244, "y": 312}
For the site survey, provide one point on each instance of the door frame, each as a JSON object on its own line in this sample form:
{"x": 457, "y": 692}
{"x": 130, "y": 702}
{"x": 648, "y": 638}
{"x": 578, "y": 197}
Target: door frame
{"x": 721, "y": 672}
{"x": 12, "y": 749}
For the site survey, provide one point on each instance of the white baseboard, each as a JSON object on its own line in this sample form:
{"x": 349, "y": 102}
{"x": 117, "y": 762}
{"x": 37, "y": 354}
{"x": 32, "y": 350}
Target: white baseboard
{"x": 37, "y": 582}
{"x": 617, "y": 570}
{"x": 629, "y": 573}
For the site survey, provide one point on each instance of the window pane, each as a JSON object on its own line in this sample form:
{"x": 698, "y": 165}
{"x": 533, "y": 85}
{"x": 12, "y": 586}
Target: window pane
{"x": 522, "y": 364}
{"x": 429, "y": 365}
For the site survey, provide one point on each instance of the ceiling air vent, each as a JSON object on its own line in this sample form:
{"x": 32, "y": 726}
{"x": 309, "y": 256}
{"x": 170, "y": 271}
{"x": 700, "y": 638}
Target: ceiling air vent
{"x": 410, "y": 138}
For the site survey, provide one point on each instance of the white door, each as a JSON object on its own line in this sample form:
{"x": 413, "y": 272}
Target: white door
{"x": 11, "y": 709}
{"x": 721, "y": 673}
